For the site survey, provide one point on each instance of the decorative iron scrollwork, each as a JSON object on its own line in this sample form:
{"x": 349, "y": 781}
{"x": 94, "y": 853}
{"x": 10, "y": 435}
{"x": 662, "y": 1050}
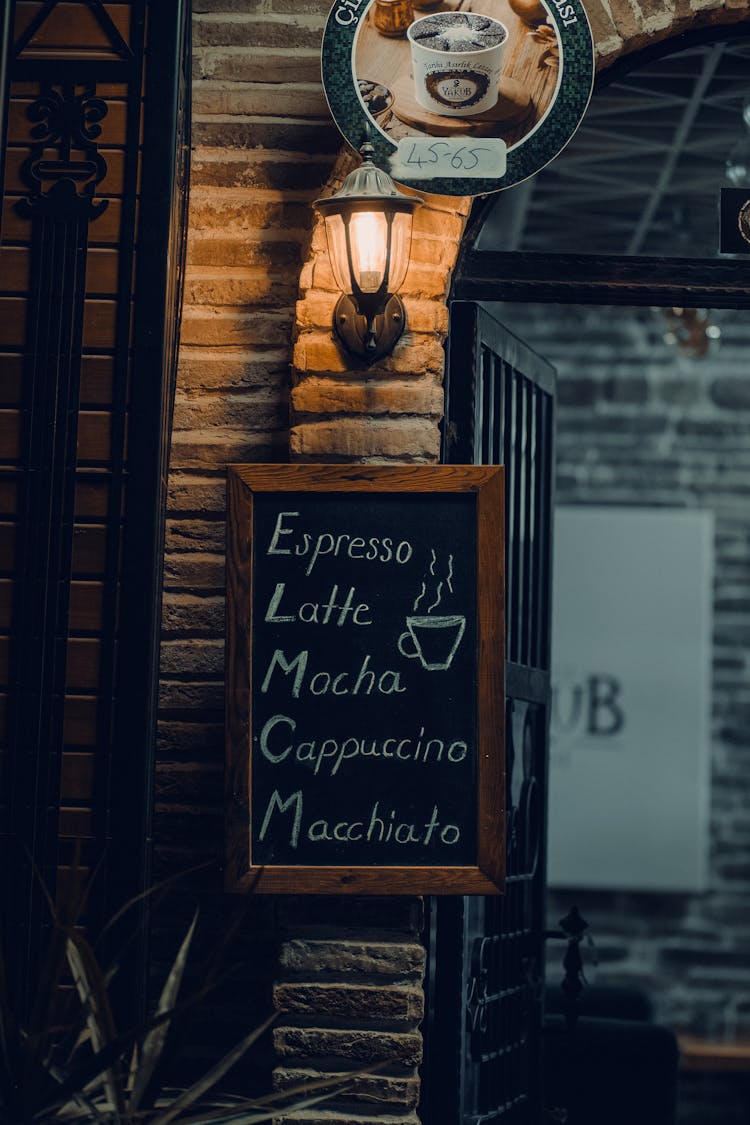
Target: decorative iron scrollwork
{"x": 503, "y": 985}
{"x": 68, "y": 122}
{"x": 477, "y": 1000}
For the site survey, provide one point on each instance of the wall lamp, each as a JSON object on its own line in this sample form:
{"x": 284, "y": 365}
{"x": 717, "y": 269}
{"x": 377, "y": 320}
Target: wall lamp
{"x": 368, "y": 227}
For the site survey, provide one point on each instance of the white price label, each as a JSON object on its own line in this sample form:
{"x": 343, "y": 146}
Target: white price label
{"x": 429, "y": 158}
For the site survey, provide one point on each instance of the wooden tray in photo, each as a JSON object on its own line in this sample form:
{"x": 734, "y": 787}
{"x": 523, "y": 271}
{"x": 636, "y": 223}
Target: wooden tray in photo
{"x": 513, "y": 105}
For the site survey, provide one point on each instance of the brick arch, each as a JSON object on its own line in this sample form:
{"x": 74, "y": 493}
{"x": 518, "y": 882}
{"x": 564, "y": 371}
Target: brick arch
{"x": 392, "y": 411}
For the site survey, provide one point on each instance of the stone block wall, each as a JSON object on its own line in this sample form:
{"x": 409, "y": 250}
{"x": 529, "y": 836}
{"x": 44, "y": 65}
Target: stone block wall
{"x": 349, "y": 994}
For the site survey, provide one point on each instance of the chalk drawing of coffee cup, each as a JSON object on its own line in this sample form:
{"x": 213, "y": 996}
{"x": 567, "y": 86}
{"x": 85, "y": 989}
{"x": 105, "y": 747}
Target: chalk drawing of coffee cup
{"x": 434, "y": 640}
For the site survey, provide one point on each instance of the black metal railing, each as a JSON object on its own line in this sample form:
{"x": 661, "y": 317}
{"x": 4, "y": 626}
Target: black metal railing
{"x": 486, "y": 954}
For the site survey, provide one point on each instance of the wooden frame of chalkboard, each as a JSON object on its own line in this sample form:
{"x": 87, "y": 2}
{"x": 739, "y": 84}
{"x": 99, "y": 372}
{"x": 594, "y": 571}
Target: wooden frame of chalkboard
{"x": 365, "y": 679}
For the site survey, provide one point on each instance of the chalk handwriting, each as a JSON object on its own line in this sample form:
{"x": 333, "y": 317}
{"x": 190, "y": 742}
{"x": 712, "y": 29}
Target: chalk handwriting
{"x": 319, "y": 613}
{"x": 326, "y": 683}
{"x": 330, "y": 766}
{"x": 330, "y": 753}
{"x": 340, "y": 544}
{"x": 379, "y": 827}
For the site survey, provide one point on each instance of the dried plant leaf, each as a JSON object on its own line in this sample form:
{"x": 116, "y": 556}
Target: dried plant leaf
{"x": 239, "y": 1111}
{"x": 212, "y": 1076}
{"x": 89, "y": 1073}
{"x": 86, "y": 1110}
{"x": 133, "y": 1068}
{"x": 92, "y": 992}
{"x": 251, "y": 1116}
{"x": 333, "y": 1083}
{"x": 153, "y": 1044}
{"x": 79, "y": 1104}
{"x": 81, "y": 1072}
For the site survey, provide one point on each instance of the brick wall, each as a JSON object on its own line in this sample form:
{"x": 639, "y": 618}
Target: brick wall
{"x": 639, "y": 422}
{"x": 265, "y": 147}
{"x": 348, "y": 975}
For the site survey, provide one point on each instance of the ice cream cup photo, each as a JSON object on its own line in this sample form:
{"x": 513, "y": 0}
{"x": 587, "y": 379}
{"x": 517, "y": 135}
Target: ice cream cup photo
{"x": 433, "y": 640}
{"x": 456, "y": 61}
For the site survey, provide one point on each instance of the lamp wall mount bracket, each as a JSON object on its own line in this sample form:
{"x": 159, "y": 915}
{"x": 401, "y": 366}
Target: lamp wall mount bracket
{"x": 369, "y": 338}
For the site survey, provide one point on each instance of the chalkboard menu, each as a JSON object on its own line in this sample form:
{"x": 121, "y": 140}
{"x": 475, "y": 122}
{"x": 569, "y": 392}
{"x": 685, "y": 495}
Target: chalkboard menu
{"x": 365, "y": 679}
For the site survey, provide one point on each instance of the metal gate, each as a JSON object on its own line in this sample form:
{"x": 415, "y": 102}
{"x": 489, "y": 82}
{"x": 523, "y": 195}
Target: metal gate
{"x": 485, "y": 978}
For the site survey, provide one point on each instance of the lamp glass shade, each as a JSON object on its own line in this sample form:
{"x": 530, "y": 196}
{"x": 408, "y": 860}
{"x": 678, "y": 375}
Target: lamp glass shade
{"x": 400, "y": 249}
{"x": 369, "y": 234}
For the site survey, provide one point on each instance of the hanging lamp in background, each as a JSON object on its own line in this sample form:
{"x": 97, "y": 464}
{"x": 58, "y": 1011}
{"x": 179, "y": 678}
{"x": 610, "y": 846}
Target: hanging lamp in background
{"x": 368, "y": 228}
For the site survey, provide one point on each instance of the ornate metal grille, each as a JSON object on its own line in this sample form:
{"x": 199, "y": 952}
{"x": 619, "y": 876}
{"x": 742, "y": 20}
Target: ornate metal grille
{"x": 90, "y": 278}
{"x": 486, "y": 953}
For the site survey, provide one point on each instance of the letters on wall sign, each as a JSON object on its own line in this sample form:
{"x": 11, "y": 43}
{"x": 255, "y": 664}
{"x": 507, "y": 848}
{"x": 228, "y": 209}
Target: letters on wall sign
{"x": 365, "y": 679}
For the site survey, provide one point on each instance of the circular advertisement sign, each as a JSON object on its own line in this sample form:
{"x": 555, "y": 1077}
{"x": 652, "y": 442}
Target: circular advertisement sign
{"x": 464, "y": 97}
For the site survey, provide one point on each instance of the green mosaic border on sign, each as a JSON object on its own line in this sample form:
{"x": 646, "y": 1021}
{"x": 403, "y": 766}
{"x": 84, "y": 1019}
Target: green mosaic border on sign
{"x": 525, "y": 159}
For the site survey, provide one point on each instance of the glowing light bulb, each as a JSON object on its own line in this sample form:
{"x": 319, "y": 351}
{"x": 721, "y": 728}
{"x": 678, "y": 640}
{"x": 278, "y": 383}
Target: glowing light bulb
{"x": 369, "y": 248}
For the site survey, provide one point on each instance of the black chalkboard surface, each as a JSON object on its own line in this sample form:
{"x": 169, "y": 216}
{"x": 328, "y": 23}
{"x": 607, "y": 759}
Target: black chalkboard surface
{"x": 364, "y": 679}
